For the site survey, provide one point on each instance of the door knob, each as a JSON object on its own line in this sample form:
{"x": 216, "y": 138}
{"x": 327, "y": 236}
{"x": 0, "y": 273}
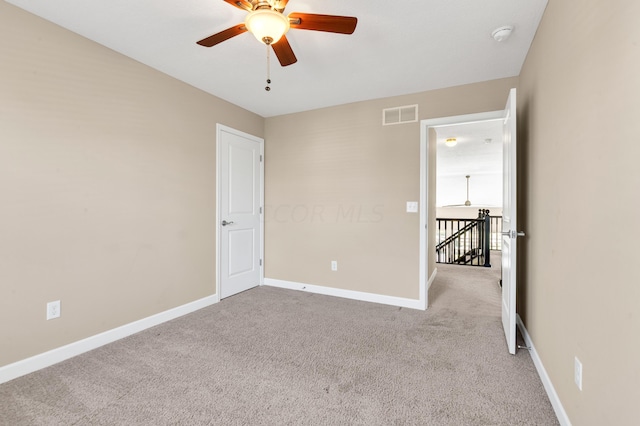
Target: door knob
{"x": 513, "y": 234}
{"x": 225, "y": 223}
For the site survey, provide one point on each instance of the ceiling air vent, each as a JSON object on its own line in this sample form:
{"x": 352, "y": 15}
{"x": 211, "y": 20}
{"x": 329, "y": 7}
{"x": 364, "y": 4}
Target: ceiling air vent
{"x": 400, "y": 115}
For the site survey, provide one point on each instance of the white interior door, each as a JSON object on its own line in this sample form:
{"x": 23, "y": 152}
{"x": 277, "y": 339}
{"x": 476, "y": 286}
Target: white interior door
{"x": 239, "y": 211}
{"x": 509, "y": 223}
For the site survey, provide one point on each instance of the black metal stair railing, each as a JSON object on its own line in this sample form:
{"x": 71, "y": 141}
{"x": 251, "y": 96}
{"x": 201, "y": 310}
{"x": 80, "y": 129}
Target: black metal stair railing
{"x": 496, "y": 232}
{"x": 465, "y": 241}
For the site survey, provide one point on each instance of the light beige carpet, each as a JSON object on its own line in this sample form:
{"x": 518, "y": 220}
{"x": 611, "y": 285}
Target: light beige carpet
{"x": 277, "y": 357}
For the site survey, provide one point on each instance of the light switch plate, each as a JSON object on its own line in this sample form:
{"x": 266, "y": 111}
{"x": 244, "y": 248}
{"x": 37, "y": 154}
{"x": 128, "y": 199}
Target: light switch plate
{"x": 412, "y": 207}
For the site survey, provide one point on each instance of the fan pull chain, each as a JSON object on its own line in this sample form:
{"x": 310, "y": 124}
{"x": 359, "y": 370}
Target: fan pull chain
{"x": 267, "y": 88}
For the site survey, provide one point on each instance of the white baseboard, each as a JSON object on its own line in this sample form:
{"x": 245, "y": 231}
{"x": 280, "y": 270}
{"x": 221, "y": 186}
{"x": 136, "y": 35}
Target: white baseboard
{"x": 546, "y": 380}
{"x": 54, "y": 356}
{"x": 347, "y": 294}
{"x": 432, "y": 278}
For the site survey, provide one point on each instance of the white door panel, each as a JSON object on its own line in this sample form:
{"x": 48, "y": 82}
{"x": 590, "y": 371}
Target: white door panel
{"x": 242, "y": 177}
{"x": 239, "y": 213}
{"x": 509, "y": 223}
{"x": 241, "y": 242}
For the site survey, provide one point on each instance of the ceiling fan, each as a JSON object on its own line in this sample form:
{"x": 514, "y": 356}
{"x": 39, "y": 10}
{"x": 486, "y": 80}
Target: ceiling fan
{"x": 466, "y": 203}
{"x": 267, "y": 22}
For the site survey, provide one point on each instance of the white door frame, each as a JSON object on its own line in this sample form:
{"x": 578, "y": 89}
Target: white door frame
{"x": 425, "y": 235}
{"x": 219, "y": 129}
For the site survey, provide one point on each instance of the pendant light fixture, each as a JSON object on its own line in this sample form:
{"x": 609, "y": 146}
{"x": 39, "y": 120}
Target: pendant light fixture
{"x": 467, "y": 203}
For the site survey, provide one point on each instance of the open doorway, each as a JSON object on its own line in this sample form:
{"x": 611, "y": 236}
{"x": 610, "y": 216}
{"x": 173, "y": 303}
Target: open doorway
{"x": 469, "y": 193}
{"x": 428, "y": 188}
{"x": 509, "y": 231}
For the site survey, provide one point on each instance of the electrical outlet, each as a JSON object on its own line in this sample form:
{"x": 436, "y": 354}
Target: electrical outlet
{"x": 577, "y": 373}
{"x": 334, "y": 265}
{"x": 53, "y": 310}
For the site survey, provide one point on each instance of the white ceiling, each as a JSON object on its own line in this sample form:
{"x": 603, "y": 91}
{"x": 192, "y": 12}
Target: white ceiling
{"x": 397, "y": 48}
{"x": 478, "y": 154}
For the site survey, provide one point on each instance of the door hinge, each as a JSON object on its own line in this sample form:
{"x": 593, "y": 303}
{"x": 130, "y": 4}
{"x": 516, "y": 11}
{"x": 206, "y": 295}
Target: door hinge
{"x": 260, "y": 262}
{"x": 260, "y": 210}
{"x": 261, "y": 158}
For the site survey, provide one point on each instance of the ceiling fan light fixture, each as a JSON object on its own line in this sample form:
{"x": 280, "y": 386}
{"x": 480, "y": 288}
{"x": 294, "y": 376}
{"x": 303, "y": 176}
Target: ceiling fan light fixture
{"x": 450, "y": 142}
{"x": 267, "y": 25}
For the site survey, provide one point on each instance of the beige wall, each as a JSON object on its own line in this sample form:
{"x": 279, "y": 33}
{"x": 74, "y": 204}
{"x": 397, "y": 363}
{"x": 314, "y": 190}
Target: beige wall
{"x": 579, "y": 123}
{"x": 107, "y": 182}
{"x": 337, "y": 183}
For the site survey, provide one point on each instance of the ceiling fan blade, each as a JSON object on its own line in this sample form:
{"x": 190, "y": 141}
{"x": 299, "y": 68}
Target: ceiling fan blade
{"x": 240, "y": 4}
{"x": 279, "y": 5}
{"x": 223, "y": 35}
{"x": 284, "y": 52}
{"x": 328, "y": 23}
